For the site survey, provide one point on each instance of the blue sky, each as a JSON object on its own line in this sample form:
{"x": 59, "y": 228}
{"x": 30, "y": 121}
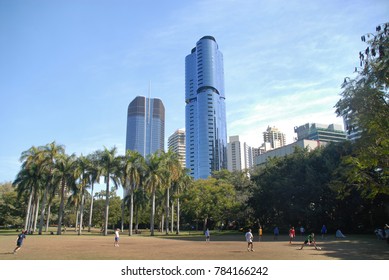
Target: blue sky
{"x": 69, "y": 69}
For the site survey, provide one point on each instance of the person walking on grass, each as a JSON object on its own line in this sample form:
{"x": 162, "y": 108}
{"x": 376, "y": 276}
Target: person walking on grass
{"x": 116, "y": 244}
{"x": 310, "y": 240}
{"x": 207, "y": 235}
{"x": 249, "y": 239}
{"x": 19, "y": 240}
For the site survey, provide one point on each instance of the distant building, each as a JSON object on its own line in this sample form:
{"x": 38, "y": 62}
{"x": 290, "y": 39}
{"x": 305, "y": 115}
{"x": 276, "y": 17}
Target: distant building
{"x": 275, "y": 137}
{"x": 145, "y": 125}
{"x": 287, "y": 150}
{"x": 239, "y": 155}
{"x": 352, "y": 131}
{"x": 176, "y": 143}
{"x": 205, "y": 113}
{"x": 321, "y": 132}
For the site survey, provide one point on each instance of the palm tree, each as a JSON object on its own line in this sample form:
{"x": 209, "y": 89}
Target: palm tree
{"x": 65, "y": 170}
{"x": 171, "y": 173}
{"x": 30, "y": 179}
{"x": 83, "y": 165}
{"x": 132, "y": 168}
{"x": 109, "y": 164}
{"x": 49, "y": 152}
{"x": 153, "y": 181}
{"x": 94, "y": 172}
{"x": 181, "y": 184}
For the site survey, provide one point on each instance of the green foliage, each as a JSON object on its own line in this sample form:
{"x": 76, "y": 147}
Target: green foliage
{"x": 364, "y": 103}
{"x": 209, "y": 199}
{"x": 311, "y": 189}
{"x": 11, "y": 210}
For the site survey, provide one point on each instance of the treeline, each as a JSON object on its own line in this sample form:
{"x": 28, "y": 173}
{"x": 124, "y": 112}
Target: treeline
{"x": 308, "y": 188}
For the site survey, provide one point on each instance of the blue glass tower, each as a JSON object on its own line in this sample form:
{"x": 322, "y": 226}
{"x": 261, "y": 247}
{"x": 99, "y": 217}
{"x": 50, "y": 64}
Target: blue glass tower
{"x": 145, "y": 125}
{"x": 205, "y": 113}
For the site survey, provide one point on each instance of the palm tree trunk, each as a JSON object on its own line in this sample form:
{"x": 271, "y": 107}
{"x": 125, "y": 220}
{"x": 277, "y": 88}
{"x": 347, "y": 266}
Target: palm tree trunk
{"x": 136, "y": 219}
{"x": 48, "y": 217}
{"x": 178, "y": 216}
{"x": 152, "y": 213}
{"x": 77, "y": 216}
{"x": 106, "y": 207}
{"x": 61, "y": 207}
{"x": 167, "y": 211}
{"x": 43, "y": 209}
{"x": 81, "y": 211}
{"x": 122, "y": 223}
{"x": 172, "y": 221}
{"x": 91, "y": 211}
{"x": 131, "y": 211}
{"x": 36, "y": 213}
{"x": 28, "y": 211}
{"x": 31, "y": 218}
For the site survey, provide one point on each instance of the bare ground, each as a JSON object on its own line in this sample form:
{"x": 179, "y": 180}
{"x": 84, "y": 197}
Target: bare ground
{"x": 223, "y": 247}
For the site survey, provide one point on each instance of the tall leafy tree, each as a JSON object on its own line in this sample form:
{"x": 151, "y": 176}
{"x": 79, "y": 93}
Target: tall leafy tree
{"x": 364, "y": 104}
{"x": 209, "y": 199}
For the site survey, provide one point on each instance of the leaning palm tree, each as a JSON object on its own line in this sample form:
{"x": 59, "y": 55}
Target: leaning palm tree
{"x": 153, "y": 181}
{"x": 109, "y": 164}
{"x": 65, "y": 171}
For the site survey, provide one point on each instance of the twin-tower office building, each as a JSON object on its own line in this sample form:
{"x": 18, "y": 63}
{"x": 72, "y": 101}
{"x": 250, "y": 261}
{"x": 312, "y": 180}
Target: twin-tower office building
{"x": 205, "y": 114}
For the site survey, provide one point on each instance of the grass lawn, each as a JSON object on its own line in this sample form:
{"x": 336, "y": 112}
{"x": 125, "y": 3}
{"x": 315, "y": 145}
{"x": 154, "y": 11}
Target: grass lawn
{"x": 186, "y": 246}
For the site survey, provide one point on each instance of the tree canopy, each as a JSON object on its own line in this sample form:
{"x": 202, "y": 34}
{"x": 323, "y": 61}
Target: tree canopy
{"x": 364, "y": 105}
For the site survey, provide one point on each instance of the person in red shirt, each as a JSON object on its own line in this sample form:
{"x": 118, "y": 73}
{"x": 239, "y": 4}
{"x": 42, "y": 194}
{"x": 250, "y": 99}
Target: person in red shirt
{"x": 292, "y": 234}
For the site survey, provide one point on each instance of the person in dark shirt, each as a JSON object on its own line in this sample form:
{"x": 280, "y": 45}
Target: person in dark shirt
{"x": 310, "y": 240}
{"x": 19, "y": 241}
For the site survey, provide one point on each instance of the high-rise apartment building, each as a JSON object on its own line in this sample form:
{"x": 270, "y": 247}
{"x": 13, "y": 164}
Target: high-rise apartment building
{"x": 176, "y": 143}
{"x": 275, "y": 137}
{"x": 352, "y": 131}
{"x": 239, "y": 155}
{"x": 205, "y": 113}
{"x": 322, "y": 132}
{"x": 145, "y": 125}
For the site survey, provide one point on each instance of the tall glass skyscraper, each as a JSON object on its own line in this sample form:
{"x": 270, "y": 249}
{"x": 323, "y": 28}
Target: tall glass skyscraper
{"x": 145, "y": 125}
{"x": 205, "y": 113}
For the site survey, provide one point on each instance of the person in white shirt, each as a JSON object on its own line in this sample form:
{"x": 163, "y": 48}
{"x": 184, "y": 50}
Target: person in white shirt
{"x": 249, "y": 239}
{"x": 116, "y": 244}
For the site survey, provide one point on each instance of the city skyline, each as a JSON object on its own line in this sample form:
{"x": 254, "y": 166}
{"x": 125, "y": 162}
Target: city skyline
{"x": 69, "y": 69}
